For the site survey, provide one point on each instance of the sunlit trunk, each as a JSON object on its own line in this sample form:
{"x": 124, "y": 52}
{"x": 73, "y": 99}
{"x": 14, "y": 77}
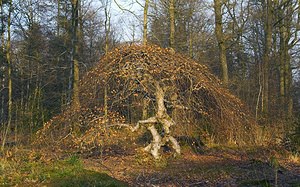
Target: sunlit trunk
{"x": 145, "y": 22}
{"x": 172, "y": 23}
{"x": 221, "y": 40}
{"x": 74, "y": 54}
{"x": 107, "y": 32}
{"x": 161, "y": 118}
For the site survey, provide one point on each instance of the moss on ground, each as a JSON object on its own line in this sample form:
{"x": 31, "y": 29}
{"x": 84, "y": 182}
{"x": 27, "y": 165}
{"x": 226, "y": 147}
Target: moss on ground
{"x": 66, "y": 172}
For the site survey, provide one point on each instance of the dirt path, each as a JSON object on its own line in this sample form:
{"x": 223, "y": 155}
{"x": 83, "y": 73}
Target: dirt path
{"x": 214, "y": 168}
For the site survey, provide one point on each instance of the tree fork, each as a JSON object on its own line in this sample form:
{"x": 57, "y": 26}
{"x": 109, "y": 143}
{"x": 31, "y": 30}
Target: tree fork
{"x": 165, "y": 120}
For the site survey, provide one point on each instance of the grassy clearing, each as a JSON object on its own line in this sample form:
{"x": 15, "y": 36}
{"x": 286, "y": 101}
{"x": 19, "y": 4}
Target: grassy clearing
{"x": 34, "y": 170}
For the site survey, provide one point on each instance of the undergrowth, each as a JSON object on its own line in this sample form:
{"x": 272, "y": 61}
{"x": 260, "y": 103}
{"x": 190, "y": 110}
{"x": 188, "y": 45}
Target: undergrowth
{"x": 34, "y": 170}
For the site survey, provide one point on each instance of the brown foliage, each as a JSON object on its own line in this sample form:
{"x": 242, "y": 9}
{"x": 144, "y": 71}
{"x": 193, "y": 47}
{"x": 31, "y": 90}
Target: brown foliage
{"x": 59, "y": 131}
{"x": 194, "y": 97}
{"x": 130, "y": 73}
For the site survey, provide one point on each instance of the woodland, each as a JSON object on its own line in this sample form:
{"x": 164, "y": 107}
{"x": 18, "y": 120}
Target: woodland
{"x": 203, "y": 93}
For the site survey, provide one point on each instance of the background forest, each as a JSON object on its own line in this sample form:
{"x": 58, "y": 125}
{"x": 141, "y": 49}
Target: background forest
{"x": 62, "y": 88}
{"x": 257, "y": 43}
{"x": 253, "y": 46}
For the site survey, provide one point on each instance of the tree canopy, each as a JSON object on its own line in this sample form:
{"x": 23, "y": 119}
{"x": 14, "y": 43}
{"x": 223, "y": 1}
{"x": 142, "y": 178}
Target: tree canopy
{"x": 183, "y": 95}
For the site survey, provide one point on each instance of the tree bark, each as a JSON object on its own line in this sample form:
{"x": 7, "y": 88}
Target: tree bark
{"x": 2, "y": 27}
{"x": 266, "y": 56}
{"x": 2, "y": 49}
{"x": 282, "y": 46}
{"x": 285, "y": 73}
{"x": 172, "y": 23}
{"x": 145, "y": 22}
{"x": 58, "y": 18}
{"x": 75, "y": 50}
{"x": 107, "y": 31}
{"x": 155, "y": 145}
{"x": 8, "y": 59}
{"x": 288, "y": 84}
{"x": 145, "y": 30}
{"x": 163, "y": 119}
{"x": 288, "y": 70}
{"x": 221, "y": 40}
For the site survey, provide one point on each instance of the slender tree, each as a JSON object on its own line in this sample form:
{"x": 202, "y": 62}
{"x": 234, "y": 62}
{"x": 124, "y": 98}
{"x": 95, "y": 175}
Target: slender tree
{"x": 75, "y": 51}
{"x": 288, "y": 37}
{"x": 267, "y": 55}
{"x": 2, "y": 27}
{"x": 58, "y": 19}
{"x": 282, "y": 57}
{"x": 145, "y": 31}
{"x": 145, "y": 22}
{"x": 107, "y": 32}
{"x": 172, "y": 23}
{"x": 221, "y": 39}
{"x": 9, "y": 74}
{"x": 2, "y": 60}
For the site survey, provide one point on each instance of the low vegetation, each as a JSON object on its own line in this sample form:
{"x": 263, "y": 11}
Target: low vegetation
{"x": 217, "y": 165}
{"x": 34, "y": 168}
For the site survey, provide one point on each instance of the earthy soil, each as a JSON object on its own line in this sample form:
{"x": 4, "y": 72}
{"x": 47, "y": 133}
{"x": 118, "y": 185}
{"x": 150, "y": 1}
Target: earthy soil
{"x": 213, "y": 167}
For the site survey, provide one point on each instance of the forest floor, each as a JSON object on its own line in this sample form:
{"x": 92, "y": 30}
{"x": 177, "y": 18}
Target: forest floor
{"x": 218, "y": 166}
{"x": 117, "y": 165}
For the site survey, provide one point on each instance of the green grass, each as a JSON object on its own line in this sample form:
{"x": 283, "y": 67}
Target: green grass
{"x": 85, "y": 178}
{"x": 67, "y": 172}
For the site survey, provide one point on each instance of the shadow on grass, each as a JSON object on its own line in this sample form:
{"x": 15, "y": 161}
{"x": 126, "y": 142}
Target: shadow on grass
{"x": 86, "y": 178}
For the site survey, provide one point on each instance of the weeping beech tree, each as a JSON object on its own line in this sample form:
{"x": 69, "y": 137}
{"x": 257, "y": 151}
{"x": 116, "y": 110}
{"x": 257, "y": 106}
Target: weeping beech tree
{"x": 170, "y": 82}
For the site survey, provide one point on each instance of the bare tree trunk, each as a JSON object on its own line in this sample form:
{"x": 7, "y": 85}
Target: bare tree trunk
{"x": 2, "y": 49}
{"x": 172, "y": 23}
{"x": 2, "y": 28}
{"x": 75, "y": 60}
{"x": 191, "y": 44}
{"x": 221, "y": 40}
{"x": 80, "y": 35}
{"x": 145, "y": 23}
{"x": 266, "y": 56}
{"x": 288, "y": 69}
{"x": 285, "y": 74}
{"x": 107, "y": 31}
{"x": 75, "y": 50}
{"x": 145, "y": 30}
{"x": 163, "y": 119}
{"x": 155, "y": 145}
{"x": 145, "y": 108}
{"x": 281, "y": 64}
{"x": 282, "y": 71}
{"x": 161, "y": 113}
{"x": 58, "y": 18}
{"x": 259, "y": 91}
{"x": 67, "y": 92}
{"x": 8, "y": 58}
{"x": 288, "y": 85}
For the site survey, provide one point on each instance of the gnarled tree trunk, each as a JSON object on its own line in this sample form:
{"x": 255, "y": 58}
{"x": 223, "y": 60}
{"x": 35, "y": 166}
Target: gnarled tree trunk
{"x": 161, "y": 118}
